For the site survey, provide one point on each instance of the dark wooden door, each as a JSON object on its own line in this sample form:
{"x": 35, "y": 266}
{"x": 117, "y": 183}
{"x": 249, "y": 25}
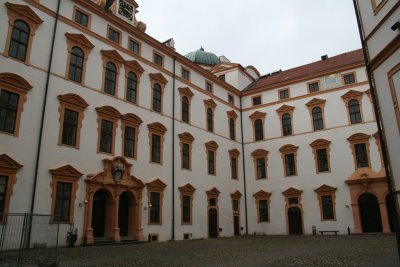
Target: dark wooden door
{"x": 123, "y": 214}
{"x": 295, "y": 221}
{"x": 370, "y": 214}
{"x": 236, "y": 225}
{"x": 212, "y": 223}
{"x": 98, "y": 213}
{"x": 390, "y": 214}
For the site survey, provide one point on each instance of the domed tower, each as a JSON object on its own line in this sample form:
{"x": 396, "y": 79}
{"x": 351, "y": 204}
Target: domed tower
{"x": 205, "y": 59}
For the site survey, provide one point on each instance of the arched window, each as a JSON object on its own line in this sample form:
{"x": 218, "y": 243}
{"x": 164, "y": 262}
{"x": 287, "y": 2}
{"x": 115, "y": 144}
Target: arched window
{"x": 286, "y": 124}
{"x": 157, "y": 97}
{"x": 19, "y": 40}
{"x": 210, "y": 120}
{"x": 232, "y": 133}
{"x": 354, "y": 111}
{"x": 76, "y": 64}
{"x": 258, "y": 130}
{"x": 131, "y": 87}
{"x": 110, "y": 79}
{"x": 185, "y": 109}
{"x": 318, "y": 122}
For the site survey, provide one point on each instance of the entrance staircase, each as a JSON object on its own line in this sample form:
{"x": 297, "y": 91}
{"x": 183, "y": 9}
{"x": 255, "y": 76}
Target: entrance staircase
{"x": 104, "y": 241}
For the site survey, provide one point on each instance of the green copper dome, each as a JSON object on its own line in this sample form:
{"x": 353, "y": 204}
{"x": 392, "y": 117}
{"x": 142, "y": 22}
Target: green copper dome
{"x": 202, "y": 57}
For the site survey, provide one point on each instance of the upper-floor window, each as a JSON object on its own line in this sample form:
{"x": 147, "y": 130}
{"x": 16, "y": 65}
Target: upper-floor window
{"x": 349, "y": 78}
{"x": 284, "y": 93}
{"x": 231, "y": 99}
{"x": 155, "y": 148}
{"x": 19, "y": 40}
{"x": 114, "y": 35}
{"x": 322, "y": 160}
{"x": 70, "y": 127}
{"x": 290, "y": 164}
{"x": 286, "y": 124}
{"x": 222, "y": 77}
{"x": 354, "y": 111}
{"x": 157, "y": 97}
{"x": 158, "y": 59}
{"x": 185, "y": 156}
{"x": 318, "y": 122}
{"x": 211, "y": 162}
{"x": 210, "y": 120}
{"x": 186, "y": 209}
{"x": 209, "y": 87}
{"x": 76, "y": 64}
{"x": 81, "y": 18}
{"x": 134, "y": 46}
{"x": 258, "y": 129}
{"x": 361, "y": 155}
{"x": 8, "y": 111}
{"x": 106, "y": 136}
{"x": 256, "y": 100}
{"x": 263, "y": 210}
{"x": 131, "y": 87}
{"x": 232, "y": 132}
{"x": 156, "y": 137}
{"x": 3, "y": 192}
{"x": 313, "y": 87}
{"x": 129, "y": 141}
{"x": 185, "y": 74}
{"x": 110, "y": 79}
{"x": 234, "y": 173}
{"x": 261, "y": 170}
{"x": 185, "y": 109}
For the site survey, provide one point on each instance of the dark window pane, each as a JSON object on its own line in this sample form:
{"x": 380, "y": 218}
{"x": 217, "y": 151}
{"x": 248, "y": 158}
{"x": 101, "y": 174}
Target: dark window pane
{"x": 158, "y": 59}
{"x": 257, "y": 100}
{"x": 327, "y": 207}
{"x": 134, "y": 46}
{"x": 231, "y": 99}
{"x": 209, "y": 87}
{"x": 212, "y": 201}
{"x": 361, "y": 155}
{"x": 63, "y": 201}
{"x": 286, "y": 124}
{"x": 261, "y": 172}
{"x": 186, "y": 209}
{"x": 263, "y": 210}
{"x": 210, "y": 120}
{"x": 211, "y": 162}
{"x": 293, "y": 201}
{"x": 234, "y": 168}
{"x": 110, "y": 79}
{"x": 3, "y": 192}
{"x": 185, "y": 74}
{"x": 131, "y": 88}
{"x": 185, "y": 109}
{"x": 19, "y": 40}
{"x": 313, "y": 87}
{"x": 113, "y": 35}
{"x": 106, "y": 138}
{"x": 283, "y": 94}
{"x": 259, "y": 131}
{"x": 157, "y": 97}
{"x": 322, "y": 159}
{"x": 81, "y": 18}
{"x": 156, "y": 148}
{"x": 232, "y": 132}
{"x": 290, "y": 164}
{"x": 349, "y": 78}
{"x": 318, "y": 122}
{"x": 354, "y": 111}
{"x": 222, "y": 77}
{"x": 129, "y": 142}
{"x": 185, "y": 156}
{"x": 70, "y": 127}
{"x": 155, "y": 207}
{"x": 76, "y": 64}
{"x": 8, "y": 110}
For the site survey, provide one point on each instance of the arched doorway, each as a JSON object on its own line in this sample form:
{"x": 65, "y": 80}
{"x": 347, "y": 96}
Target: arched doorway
{"x": 370, "y": 214}
{"x": 100, "y": 209}
{"x": 295, "y": 221}
{"x": 126, "y": 214}
{"x": 390, "y": 214}
{"x": 212, "y": 223}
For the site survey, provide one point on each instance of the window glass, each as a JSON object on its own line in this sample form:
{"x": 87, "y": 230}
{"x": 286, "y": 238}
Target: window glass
{"x": 3, "y": 191}
{"x": 113, "y": 35}
{"x": 131, "y": 88}
{"x": 318, "y": 122}
{"x": 361, "y": 155}
{"x": 322, "y": 159}
{"x": 234, "y": 167}
{"x": 354, "y": 111}
{"x": 185, "y": 109}
{"x": 259, "y": 131}
{"x": 158, "y": 59}
{"x": 349, "y": 78}
{"x": 70, "y": 127}
{"x": 19, "y": 40}
{"x": 156, "y": 148}
{"x": 106, "y": 137}
{"x": 76, "y": 64}
{"x": 263, "y": 210}
{"x": 185, "y": 156}
{"x": 8, "y": 111}
{"x": 210, "y": 120}
{"x": 134, "y": 46}
{"x": 129, "y": 142}
{"x": 313, "y": 87}
{"x": 81, "y": 18}
{"x": 155, "y": 207}
{"x": 63, "y": 201}
{"x": 327, "y": 207}
{"x": 283, "y": 94}
{"x": 209, "y": 87}
{"x": 232, "y": 132}
{"x": 256, "y": 100}
{"x": 290, "y": 164}
{"x": 110, "y": 79}
{"x": 261, "y": 172}
{"x": 211, "y": 162}
{"x": 286, "y": 124}
{"x": 157, "y": 97}
{"x": 185, "y": 209}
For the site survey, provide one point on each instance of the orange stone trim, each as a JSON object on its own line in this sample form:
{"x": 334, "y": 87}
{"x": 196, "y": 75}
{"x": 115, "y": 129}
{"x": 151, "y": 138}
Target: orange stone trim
{"x": 160, "y": 130}
{"x": 283, "y": 110}
{"x": 133, "y": 121}
{"x": 260, "y": 153}
{"x": 156, "y": 186}
{"x": 393, "y": 93}
{"x": 114, "y": 57}
{"x": 213, "y": 193}
{"x": 321, "y": 144}
{"x": 326, "y": 190}
{"x": 187, "y": 190}
{"x": 234, "y": 153}
{"x": 257, "y": 115}
{"x": 186, "y": 138}
{"x": 111, "y": 114}
{"x": 360, "y": 138}
{"x": 293, "y": 193}
{"x": 262, "y": 195}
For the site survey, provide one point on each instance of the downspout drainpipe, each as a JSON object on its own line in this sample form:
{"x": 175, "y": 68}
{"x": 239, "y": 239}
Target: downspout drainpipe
{"x": 244, "y": 166}
{"x": 173, "y": 151}
{"x": 395, "y": 216}
{"x": 42, "y": 122}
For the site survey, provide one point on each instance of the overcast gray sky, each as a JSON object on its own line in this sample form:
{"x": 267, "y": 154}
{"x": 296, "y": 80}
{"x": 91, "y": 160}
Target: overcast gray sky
{"x": 268, "y": 34}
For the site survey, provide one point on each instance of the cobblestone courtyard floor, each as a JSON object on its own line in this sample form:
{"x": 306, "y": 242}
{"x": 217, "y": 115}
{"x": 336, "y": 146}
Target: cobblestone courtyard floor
{"x": 355, "y": 250}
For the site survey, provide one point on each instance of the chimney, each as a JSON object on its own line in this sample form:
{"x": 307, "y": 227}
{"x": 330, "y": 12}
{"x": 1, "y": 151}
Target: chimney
{"x": 324, "y": 57}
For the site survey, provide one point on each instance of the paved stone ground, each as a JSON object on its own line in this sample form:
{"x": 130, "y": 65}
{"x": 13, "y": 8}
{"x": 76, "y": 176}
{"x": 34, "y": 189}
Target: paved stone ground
{"x": 248, "y": 251}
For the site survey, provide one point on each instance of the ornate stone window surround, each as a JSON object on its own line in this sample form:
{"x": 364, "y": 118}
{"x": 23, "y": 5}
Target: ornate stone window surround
{"x": 84, "y": 12}
{"x": 17, "y": 85}
{"x": 75, "y": 103}
{"x": 114, "y": 57}
{"x": 156, "y": 186}
{"x": 350, "y": 95}
{"x": 25, "y": 13}
{"x": 256, "y": 116}
{"x": 187, "y": 190}
{"x": 133, "y": 121}
{"x": 110, "y": 114}
{"x": 257, "y": 154}
{"x": 160, "y": 130}
{"x": 234, "y": 155}
{"x": 162, "y": 81}
{"x": 185, "y": 91}
{"x": 212, "y": 105}
{"x": 315, "y": 102}
{"x": 262, "y": 195}
{"x": 212, "y": 146}
{"x": 232, "y": 115}
{"x": 326, "y": 190}
{"x": 80, "y": 41}
{"x": 134, "y": 67}
{"x": 321, "y": 144}
{"x": 285, "y": 150}
{"x": 359, "y": 138}
{"x": 186, "y": 138}
{"x": 281, "y": 111}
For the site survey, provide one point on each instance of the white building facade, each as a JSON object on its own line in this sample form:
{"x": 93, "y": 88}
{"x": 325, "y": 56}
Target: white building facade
{"x": 138, "y": 141}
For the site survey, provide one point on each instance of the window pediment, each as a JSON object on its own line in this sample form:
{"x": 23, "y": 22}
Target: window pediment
{"x": 236, "y": 195}
{"x": 232, "y": 114}
{"x": 6, "y": 162}
{"x": 213, "y": 193}
{"x": 209, "y": 103}
{"x": 131, "y": 118}
{"x": 320, "y": 143}
{"x": 315, "y": 102}
{"x": 234, "y": 153}
{"x": 23, "y": 11}
{"x": 135, "y": 66}
{"x": 285, "y": 108}
{"x": 113, "y": 55}
{"x": 187, "y": 188}
{"x": 74, "y": 100}
{"x": 211, "y": 145}
{"x": 257, "y": 115}
{"x": 156, "y": 185}
{"x": 259, "y": 153}
{"x": 288, "y": 149}
{"x": 15, "y": 81}
{"x": 186, "y": 137}
{"x": 325, "y": 189}
{"x": 157, "y": 128}
{"x": 262, "y": 195}
{"x": 158, "y": 78}
{"x": 79, "y": 39}
{"x": 352, "y": 94}
{"x": 66, "y": 171}
{"x": 358, "y": 138}
{"x": 108, "y": 111}
{"x": 185, "y": 91}
{"x": 292, "y": 192}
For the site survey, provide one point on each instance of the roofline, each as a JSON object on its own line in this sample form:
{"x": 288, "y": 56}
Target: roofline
{"x": 235, "y": 65}
{"x": 302, "y": 78}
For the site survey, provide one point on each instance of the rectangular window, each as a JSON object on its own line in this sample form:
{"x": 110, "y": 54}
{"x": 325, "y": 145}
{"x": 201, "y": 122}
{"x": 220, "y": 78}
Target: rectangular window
{"x": 134, "y": 46}
{"x": 185, "y": 156}
{"x": 70, "y": 127}
{"x": 263, "y": 210}
{"x": 293, "y": 201}
{"x": 81, "y": 18}
{"x": 261, "y": 172}
{"x": 234, "y": 168}
{"x": 158, "y": 59}
{"x": 155, "y": 207}
{"x": 211, "y": 162}
{"x": 185, "y": 74}
{"x": 222, "y": 77}
{"x": 129, "y": 142}
{"x": 235, "y": 206}
{"x": 361, "y": 155}
{"x": 256, "y": 100}
{"x": 327, "y": 208}
{"x": 113, "y": 35}
{"x": 3, "y": 192}
{"x": 209, "y": 87}
{"x": 231, "y": 99}
{"x": 8, "y": 110}
{"x": 212, "y": 201}
{"x": 106, "y": 136}
{"x": 349, "y": 78}
{"x": 313, "y": 87}
{"x": 322, "y": 159}
{"x": 156, "y": 148}
{"x": 186, "y": 209}
{"x": 290, "y": 165}
{"x": 283, "y": 94}
{"x": 63, "y": 201}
